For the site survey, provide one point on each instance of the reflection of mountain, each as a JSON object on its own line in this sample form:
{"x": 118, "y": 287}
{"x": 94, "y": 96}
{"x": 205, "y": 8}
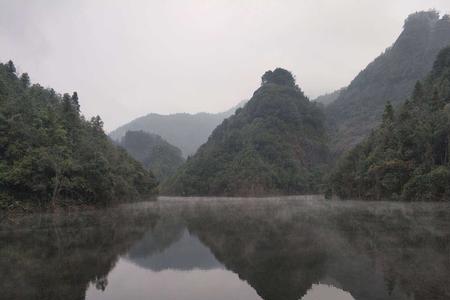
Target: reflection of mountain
{"x": 166, "y": 232}
{"x": 185, "y": 253}
{"x": 58, "y": 256}
{"x": 324, "y": 291}
{"x": 282, "y": 250}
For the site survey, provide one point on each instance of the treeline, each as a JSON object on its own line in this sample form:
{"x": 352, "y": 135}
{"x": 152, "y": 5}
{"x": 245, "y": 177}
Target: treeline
{"x": 407, "y": 157}
{"x": 49, "y": 152}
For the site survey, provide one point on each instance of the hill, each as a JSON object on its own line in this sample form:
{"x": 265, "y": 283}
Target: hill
{"x": 49, "y": 152}
{"x": 156, "y": 154}
{"x": 275, "y": 144}
{"x": 329, "y": 98}
{"x": 390, "y": 77}
{"x": 407, "y": 157}
{"x": 185, "y": 131}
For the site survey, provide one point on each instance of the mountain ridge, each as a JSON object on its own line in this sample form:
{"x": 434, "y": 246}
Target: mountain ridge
{"x": 389, "y": 77}
{"x": 184, "y": 130}
{"x": 407, "y": 156}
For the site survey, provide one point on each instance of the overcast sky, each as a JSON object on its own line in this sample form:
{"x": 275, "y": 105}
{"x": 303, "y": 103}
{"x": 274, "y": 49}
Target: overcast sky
{"x": 129, "y": 58}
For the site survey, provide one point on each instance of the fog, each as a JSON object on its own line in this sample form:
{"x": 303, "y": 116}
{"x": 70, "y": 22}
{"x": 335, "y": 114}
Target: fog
{"x": 129, "y": 58}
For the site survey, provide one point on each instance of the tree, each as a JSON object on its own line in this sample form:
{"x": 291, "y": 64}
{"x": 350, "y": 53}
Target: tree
{"x": 435, "y": 102}
{"x": 97, "y": 124}
{"x": 25, "y": 79}
{"x": 75, "y": 101}
{"x": 388, "y": 115}
{"x": 10, "y": 67}
{"x": 278, "y": 76}
{"x": 418, "y": 91}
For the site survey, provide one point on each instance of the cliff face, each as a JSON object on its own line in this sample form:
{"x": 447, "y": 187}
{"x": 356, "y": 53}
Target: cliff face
{"x": 390, "y": 77}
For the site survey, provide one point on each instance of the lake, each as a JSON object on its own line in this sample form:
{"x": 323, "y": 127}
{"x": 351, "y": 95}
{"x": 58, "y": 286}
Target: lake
{"x": 229, "y": 248}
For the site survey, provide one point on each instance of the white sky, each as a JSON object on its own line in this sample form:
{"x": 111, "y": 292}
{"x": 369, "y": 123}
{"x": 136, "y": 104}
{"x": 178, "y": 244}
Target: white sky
{"x": 129, "y": 58}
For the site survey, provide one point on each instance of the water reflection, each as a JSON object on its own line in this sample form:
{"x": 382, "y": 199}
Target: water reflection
{"x": 130, "y": 281}
{"x": 283, "y": 248}
{"x": 185, "y": 252}
{"x": 325, "y": 291}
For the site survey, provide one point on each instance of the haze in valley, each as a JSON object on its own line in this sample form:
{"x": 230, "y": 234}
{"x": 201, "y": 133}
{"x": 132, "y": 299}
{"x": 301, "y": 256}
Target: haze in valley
{"x": 188, "y": 56}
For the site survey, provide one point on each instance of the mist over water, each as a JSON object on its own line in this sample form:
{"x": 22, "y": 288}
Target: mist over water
{"x": 200, "y": 248}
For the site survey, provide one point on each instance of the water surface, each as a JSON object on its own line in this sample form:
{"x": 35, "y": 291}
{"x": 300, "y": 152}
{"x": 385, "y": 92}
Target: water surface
{"x": 274, "y": 248}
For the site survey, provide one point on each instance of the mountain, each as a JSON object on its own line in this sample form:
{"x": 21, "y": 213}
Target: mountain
{"x": 185, "y": 131}
{"x": 329, "y": 98}
{"x": 275, "y": 144}
{"x": 156, "y": 154}
{"x": 390, "y": 77}
{"x": 407, "y": 156}
{"x": 49, "y": 152}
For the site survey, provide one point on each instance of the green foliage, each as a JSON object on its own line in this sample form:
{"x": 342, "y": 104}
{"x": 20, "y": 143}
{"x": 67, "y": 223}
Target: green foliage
{"x": 157, "y": 155}
{"x": 275, "y": 144}
{"x": 278, "y": 76}
{"x": 49, "y": 152}
{"x": 390, "y": 77}
{"x": 407, "y": 157}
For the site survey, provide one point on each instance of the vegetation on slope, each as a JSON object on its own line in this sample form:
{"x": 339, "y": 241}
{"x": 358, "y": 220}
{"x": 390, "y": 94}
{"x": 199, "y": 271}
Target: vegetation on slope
{"x": 407, "y": 157}
{"x": 156, "y": 154}
{"x": 49, "y": 152}
{"x": 185, "y": 131}
{"x": 275, "y": 144}
{"x": 390, "y": 77}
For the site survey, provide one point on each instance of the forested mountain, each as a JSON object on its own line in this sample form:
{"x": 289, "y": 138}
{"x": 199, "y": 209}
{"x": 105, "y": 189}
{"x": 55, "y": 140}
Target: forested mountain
{"x": 275, "y": 144}
{"x": 407, "y": 157}
{"x": 185, "y": 131}
{"x": 156, "y": 154}
{"x": 390, "y": 77}
{"x": 329, "y": 98}
{"x": 49, "y": 152}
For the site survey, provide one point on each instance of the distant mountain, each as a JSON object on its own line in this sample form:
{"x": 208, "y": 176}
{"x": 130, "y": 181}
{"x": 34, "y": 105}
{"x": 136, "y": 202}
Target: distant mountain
{"x": 390, "y": 77}
{"x": 275, "y": 144}
{"x": 328, "y": 98}
{"x": 156, "y": 154}
{"x": 407, "y": 157}
{"x": 185, "y": 131}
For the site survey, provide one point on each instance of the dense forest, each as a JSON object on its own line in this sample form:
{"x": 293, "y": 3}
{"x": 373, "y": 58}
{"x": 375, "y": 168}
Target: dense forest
{"x": 390, "y": 77}
{"x": 275, "y": 144}
{"x": 50, "y": 153}
{"x": 407, "y": 157}
{"x": 155, "y": 154}
{"x": 278, "y": 142}
{"x": 185, "y": 131}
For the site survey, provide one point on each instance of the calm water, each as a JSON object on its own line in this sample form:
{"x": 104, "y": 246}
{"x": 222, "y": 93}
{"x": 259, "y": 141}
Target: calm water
{"x": 280, "y": 248}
